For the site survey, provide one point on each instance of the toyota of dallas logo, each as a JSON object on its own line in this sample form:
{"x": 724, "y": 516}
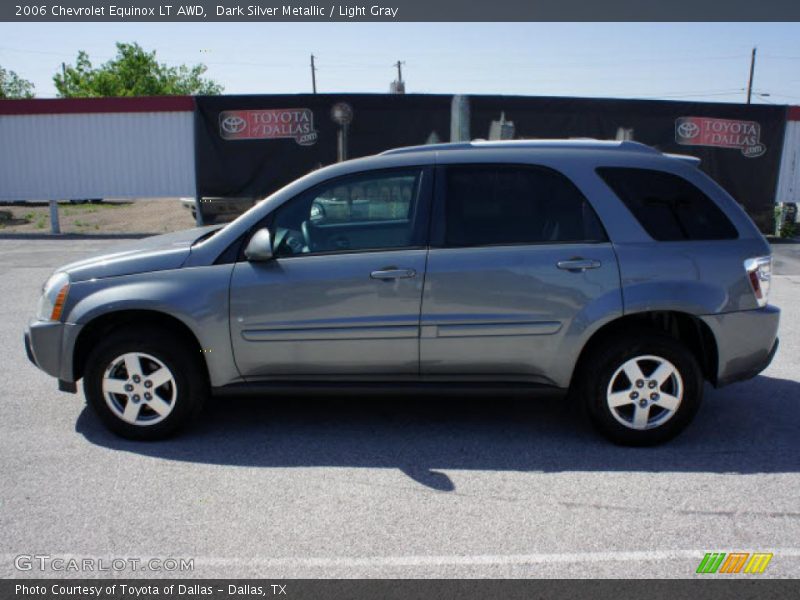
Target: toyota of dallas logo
{"x": 744, "y": 136}
{"x": 269, "y": 124}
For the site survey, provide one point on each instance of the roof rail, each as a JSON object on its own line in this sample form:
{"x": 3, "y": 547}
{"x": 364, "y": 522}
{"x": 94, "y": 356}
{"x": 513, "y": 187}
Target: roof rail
{"x": 429, "y": 148}
{"x": 583, "y": 143}
{"x": 692, "y": 160}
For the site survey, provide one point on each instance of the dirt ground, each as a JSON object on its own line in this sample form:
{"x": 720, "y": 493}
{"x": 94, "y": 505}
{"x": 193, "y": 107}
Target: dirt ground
{"x": 141, "y": 216}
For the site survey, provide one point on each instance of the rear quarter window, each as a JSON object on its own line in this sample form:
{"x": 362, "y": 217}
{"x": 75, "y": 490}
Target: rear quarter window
{"x": 667, "y": 206}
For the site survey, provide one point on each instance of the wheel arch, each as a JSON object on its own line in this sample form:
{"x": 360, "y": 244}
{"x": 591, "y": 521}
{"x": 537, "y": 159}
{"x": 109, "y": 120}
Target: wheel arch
{"x": 686, "y": 328}
{"x": 106, "y": 323}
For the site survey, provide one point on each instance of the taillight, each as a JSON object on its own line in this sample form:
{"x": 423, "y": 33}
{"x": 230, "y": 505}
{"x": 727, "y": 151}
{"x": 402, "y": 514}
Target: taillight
{"x": 759, "y": 272}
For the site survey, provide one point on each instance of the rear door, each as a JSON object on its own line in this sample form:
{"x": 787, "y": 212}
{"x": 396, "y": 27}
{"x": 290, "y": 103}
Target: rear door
{"x": 519, "y": 261}
{"x": 342, "y": 295}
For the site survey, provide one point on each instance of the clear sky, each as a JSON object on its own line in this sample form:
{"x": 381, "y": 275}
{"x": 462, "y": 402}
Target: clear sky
{"x": 699, "y": 61}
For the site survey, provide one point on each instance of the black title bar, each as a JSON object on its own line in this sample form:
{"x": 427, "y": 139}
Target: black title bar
{"x": 377, "y": 589}
{"x": 399, "y": 10}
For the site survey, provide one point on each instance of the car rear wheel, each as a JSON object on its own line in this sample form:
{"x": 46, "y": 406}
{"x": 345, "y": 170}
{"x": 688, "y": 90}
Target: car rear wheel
{"x": 143, "y": 384}
{"x": 642, "y": 390}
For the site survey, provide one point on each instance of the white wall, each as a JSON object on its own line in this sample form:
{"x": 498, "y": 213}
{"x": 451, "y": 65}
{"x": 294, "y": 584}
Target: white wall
{"x": 96, "y": 155}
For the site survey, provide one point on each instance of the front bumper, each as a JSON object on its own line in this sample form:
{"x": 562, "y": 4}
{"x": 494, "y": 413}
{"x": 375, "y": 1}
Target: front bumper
{"x": 747, "y": 341}
{"x": 49, "y": 346}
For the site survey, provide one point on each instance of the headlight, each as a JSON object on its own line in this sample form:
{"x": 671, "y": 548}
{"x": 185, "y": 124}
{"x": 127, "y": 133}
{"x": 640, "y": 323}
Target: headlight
{"x": 54, "y": 295}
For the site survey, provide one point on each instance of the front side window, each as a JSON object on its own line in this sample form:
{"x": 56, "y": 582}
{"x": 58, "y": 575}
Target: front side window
{"x": 498, "y": 204}
{"x": 370, "y": 211}
{"x": 667, "y": 206}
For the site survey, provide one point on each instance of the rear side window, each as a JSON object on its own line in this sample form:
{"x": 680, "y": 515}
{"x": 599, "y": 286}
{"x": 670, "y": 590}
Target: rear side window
{"x": 667, "y": 206}
{"x": 492, "y": 205}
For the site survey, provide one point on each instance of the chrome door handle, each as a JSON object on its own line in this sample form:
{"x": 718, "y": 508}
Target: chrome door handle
{"x": 578, "y": 264}
{"x": 393, "y": 273}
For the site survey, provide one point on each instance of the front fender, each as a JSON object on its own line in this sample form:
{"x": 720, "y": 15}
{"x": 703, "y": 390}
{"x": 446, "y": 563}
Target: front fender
{"x": 197, "y": 297}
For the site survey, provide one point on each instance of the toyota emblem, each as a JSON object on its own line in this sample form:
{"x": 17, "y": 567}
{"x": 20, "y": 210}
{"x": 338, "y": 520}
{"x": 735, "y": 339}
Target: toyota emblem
{"x": 688, "y": 130}
{"x": 233, "y": 124}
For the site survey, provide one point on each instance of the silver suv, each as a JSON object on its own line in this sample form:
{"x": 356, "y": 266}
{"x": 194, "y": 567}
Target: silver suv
{"x": 606, "y": 271}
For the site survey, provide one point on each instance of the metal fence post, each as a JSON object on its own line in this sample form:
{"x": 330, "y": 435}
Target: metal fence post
{"x": 55, "y": 227}
{"x": 198, "y": 211}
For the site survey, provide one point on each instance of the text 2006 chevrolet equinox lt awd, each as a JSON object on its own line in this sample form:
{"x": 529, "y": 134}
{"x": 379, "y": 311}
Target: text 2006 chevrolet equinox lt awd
{"x": 607, "y": 269}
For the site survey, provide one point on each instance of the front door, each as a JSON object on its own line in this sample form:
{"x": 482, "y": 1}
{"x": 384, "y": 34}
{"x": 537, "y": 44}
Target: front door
{"x": 342, "y": 296}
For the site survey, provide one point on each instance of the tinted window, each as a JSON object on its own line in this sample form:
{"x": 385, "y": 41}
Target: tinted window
{"x": 364, "y": 212}
{"x": 488, "y": 205}
{"x": 667, "y": 206}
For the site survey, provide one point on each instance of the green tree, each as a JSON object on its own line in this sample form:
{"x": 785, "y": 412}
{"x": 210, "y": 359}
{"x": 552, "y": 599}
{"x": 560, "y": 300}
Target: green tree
{"x": 14, "y": 86}
{"x": 132, "y": 72}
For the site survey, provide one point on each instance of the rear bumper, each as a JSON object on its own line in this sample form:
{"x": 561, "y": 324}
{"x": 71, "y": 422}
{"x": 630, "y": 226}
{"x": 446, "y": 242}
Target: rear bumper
{"x": 747, "y": 341}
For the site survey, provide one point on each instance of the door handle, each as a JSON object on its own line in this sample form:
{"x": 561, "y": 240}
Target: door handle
{"x": 578, "y": 264}
{"x": 389, "y": 273}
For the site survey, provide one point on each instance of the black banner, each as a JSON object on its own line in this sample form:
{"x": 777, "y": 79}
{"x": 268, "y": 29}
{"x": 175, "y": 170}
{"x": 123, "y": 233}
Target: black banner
{"x": 430, "y": 589}
{"x": 249, "y": 146}
{"x": 739, "y": 145}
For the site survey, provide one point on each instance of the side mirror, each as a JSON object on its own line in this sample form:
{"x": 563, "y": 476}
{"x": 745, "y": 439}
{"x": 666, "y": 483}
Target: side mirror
{"x": 259, "y": 248}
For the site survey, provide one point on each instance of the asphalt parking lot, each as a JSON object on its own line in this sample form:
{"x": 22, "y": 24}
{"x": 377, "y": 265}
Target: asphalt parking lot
{"x": 404, "y": 487}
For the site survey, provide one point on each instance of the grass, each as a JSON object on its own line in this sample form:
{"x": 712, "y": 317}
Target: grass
{"x": 89, "y": 218}
{"x": 85, "y": 209}
{"x": 40, "y": 219}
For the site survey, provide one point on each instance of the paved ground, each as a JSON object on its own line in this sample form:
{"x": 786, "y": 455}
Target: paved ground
{"x": 396, "y": 488}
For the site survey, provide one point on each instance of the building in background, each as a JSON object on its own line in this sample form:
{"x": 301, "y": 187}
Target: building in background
{"x": 97, "y": 148}
{"x": 246, "y": 147}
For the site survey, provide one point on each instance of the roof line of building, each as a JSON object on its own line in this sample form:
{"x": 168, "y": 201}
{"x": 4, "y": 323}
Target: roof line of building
{"x": 52, "y": 106}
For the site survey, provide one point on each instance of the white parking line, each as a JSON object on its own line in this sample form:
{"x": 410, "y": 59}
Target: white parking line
{"x": 485, "y": 559}
{"x": 444, "y": 560}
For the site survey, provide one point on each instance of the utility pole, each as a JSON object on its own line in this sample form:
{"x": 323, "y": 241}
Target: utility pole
{"x": 752, "y": 70}
{"x": 64, "y": 75}
{"x": 397, "y": 86}
{"x": 313, "y": 75}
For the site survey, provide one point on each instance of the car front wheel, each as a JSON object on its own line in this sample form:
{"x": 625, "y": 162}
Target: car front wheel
{"x": 143, "y": 384}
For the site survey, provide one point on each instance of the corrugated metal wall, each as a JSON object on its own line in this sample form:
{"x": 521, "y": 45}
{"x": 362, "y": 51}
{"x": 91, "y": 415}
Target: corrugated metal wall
{"x": 789, "y": 179}
{"x": 96, "y": 155}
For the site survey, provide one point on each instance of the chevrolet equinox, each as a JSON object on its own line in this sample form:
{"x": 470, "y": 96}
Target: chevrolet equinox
{"x": 607, "y": 271}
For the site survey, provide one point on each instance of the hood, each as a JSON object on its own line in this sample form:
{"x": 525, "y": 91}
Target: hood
{"x": 157, "y": 253}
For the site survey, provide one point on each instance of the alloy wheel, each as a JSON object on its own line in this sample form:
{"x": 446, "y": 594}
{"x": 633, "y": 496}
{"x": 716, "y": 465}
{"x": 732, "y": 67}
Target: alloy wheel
{"x": 645, "y": 392}
{"x": 139, "y": 389}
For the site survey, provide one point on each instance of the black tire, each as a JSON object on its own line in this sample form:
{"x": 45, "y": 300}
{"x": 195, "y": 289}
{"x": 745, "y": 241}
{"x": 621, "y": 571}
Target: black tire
{"x": 603, "y": 364}
{"x": 185, "y": 367}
